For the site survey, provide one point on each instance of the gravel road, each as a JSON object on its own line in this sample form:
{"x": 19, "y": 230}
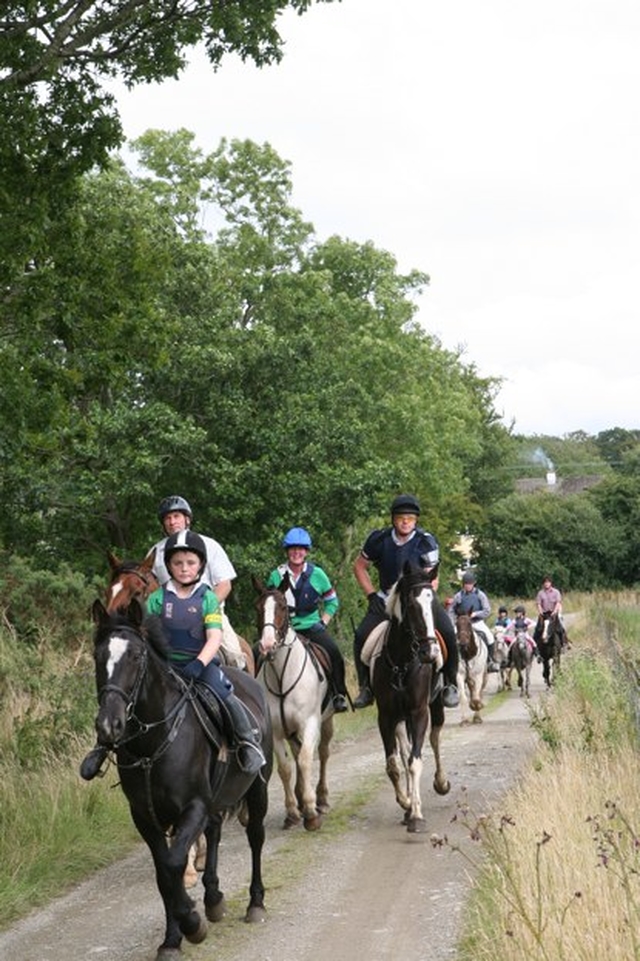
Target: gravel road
{"x": 369, "y": 890}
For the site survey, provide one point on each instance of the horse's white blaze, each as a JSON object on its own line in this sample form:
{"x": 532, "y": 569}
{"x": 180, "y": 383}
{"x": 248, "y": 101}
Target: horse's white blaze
{"x": 117, "y": 649}
{"x": 268, "y": 639}
{"x": 425, "y": 602}
{"x": 115, "y": 590}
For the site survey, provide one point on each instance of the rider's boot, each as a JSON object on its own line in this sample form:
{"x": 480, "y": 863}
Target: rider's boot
{"x": 93, "y": 762}
{"x": 247, "y": 738}
{"x": 365, "y": 694}
{"x": 492, "y": 666}
{"x": 450, "y": 696}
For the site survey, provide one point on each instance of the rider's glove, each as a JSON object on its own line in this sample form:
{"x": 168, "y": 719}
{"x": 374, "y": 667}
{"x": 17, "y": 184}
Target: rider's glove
{"x": 193, "y": 669}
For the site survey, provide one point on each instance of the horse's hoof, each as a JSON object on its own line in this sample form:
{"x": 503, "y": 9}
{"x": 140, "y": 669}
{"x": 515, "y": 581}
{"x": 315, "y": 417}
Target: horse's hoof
{"x": 477, "y": 719}
{"x": 291, "y": 822}
{"x": 442, "y": 788}
{"x": 417, "y": 826}
{"x": 323, "y": 807}
{"x": 314, "y": 823}
{"x": 256, "y": 914}
{"x": 169, "y": 954}
{"x": 216, "y": 912}
{"x": 200, "y": 932}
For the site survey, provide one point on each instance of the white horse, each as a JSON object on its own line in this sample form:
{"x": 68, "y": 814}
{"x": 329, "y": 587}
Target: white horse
{"x": 472, "y": 670}
{"x": 301, "y": 709}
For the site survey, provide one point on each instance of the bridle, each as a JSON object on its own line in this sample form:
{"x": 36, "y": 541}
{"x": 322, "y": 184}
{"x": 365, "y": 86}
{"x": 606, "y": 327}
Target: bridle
{"x": 420, "y": 642}
{"x": 175, "y": 716}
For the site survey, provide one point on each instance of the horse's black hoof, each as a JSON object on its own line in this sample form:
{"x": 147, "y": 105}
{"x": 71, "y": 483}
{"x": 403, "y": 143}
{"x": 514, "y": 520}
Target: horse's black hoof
{"x": 216, "y": 912}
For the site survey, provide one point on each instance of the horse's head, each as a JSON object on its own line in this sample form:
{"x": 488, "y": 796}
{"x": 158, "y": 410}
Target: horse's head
{"x": 467, "y": 641}
{"x": 410, "y": 604}
{"x": 274, "y": 627}
{"x": 121, "y": 655}
{"x": 129, "y": 580}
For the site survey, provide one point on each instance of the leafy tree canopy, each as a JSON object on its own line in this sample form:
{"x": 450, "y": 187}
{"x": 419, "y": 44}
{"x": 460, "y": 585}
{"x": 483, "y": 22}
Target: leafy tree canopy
{"x": 57, "y": 119}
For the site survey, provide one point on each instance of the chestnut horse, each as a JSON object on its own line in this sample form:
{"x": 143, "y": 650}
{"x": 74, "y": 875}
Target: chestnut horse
{"x": 131, "y": 579}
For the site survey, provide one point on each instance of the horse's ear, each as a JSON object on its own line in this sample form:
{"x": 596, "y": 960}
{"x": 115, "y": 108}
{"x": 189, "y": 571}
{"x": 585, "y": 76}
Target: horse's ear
{"x": 149, "y": 561}
{"x": 135, "y": 612}
{"x": 258, "y": 584}
{"x": 98, "y": 612}
{"x": 114, "y": 563}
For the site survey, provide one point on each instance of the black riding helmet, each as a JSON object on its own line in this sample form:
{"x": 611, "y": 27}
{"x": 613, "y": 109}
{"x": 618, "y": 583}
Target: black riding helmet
{"x": 185, "y": 541}
{"x": 405, "y": 504}
{"x": 173, "y": 503}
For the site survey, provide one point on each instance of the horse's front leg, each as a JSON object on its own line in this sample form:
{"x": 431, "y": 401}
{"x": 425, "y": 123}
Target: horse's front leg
{"x": 324, "y": 750}
{"x": 181, "y": 919}
{"x": 257, "y": 803}
{"x": 396, "y": 747}
{"x": 414, "y": 819}
{"x": 305, "y": 790}
{"x": 285, "y": 772}
{"x": 215, "y": 905}
{"x": 441, "y": 783}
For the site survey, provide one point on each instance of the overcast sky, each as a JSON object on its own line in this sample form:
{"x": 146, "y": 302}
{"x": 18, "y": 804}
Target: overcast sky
{"x": 494, "y": 144}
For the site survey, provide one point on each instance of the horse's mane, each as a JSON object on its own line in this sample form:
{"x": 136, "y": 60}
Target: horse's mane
{"x": 155, "y": 635}
{"x": 411, "y": 576}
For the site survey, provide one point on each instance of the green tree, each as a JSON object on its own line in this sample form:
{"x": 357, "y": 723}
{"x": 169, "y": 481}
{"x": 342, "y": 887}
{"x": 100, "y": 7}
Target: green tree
{"x": 57, "y": 119}
{"x": 526, "y": 536}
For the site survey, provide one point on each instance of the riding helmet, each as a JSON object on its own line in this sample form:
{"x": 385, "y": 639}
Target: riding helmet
{"x": 297, "y": 537}
{"x": 519, "y": 609}
{"x": 502, "y": 610}
{"x": 185, "y": 541}
{"x": 173, "y": 503}
{"x": 405, "y": 504}
{"x": 468, "y": 577}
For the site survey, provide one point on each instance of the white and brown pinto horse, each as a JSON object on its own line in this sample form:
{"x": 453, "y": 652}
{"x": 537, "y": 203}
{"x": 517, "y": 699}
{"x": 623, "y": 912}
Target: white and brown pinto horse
{"x": 297, "y": 687}
{"x": 472, "y": 669}
{"x": 408, "y": 691}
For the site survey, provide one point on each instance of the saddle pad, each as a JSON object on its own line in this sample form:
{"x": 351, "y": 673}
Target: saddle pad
{"x": 375, "y": 642}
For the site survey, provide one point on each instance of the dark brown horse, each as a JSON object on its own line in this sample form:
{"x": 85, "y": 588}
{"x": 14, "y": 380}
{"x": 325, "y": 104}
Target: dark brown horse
{"x": 177, "y": 766}
{"x": 549, "y": 635}
{"x": 408, "y": 691}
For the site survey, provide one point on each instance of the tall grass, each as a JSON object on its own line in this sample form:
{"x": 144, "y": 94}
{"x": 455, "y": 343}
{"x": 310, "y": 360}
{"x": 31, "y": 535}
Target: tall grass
{"x": 559, "y": 863}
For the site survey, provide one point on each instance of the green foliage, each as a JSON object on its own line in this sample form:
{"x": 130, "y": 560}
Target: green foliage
{"x": 525, "y": 536}
{"x": 57, "y": 120}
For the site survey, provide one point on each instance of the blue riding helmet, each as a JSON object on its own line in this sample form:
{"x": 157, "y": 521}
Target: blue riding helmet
{"x": 297, "y": 537}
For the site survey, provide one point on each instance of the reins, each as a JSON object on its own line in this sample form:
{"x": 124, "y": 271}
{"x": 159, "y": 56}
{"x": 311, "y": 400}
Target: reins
{"x": 286, "y": 638}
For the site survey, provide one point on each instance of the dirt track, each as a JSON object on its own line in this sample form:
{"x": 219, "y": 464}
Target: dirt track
{"x": 370, "y": 890}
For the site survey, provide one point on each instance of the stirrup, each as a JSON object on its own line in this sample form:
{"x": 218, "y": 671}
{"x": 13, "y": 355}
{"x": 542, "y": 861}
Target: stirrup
{"x": 250, "y": 757}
